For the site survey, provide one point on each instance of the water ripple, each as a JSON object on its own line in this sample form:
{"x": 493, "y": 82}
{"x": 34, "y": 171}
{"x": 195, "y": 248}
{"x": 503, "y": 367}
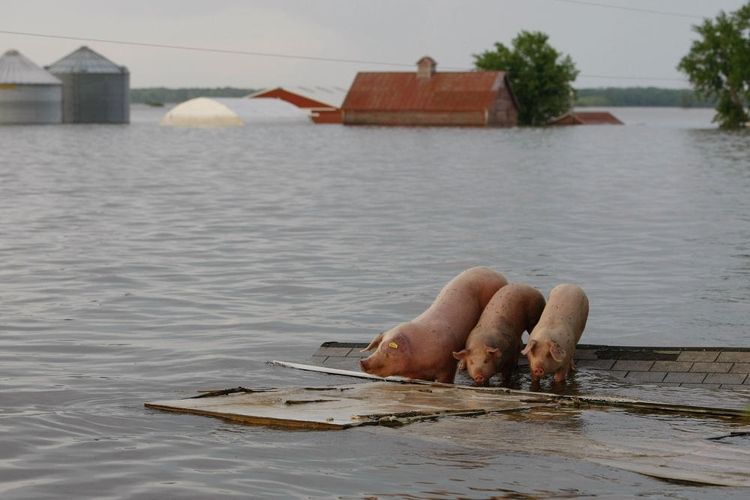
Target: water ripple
{"x": 160, "y": 262}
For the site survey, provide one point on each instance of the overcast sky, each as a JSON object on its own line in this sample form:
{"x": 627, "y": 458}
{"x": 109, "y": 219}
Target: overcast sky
{"x": 640, "y": 48}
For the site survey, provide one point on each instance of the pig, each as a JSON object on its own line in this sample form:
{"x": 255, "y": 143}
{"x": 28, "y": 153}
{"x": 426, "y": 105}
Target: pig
{"x": 495, "y": 342}
{"x": 552, "y": 342}
{"x": 422, "y": 348}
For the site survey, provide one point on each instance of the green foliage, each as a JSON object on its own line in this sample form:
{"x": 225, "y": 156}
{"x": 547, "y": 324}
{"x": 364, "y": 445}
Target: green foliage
{"x": 156, "y": 95}
{"x": 641, "y": 96}
{"x": 539, "y": 75}
{"x": 718, "y": 65}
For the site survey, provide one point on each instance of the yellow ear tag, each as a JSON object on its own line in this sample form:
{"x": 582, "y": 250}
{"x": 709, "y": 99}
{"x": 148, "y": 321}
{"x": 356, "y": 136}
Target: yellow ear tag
{"x": 393, "y": 345}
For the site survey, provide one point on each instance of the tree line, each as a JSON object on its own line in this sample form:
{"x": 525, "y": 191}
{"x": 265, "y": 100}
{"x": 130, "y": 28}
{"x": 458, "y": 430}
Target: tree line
{"x": 158, "y": 96}
{"x": 641, "y": 96}
{"x": 717, "y": 65}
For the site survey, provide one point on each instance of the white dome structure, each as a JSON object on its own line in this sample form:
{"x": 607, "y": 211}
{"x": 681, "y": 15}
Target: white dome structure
{"x": 233, "y": 112}
{"x": 201, "y": 112}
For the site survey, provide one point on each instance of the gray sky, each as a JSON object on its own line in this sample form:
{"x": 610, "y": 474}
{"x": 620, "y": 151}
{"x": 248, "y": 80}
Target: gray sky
{"x": 643, "y": 46}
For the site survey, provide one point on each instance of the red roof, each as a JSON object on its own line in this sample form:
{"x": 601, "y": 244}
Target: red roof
{"x": 305, "y": 97}
{"x": 587, "y": 118}
{"x": 443, "y": 91}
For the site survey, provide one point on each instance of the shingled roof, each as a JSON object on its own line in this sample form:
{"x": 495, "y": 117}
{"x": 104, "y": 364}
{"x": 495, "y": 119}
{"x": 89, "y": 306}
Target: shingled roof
{"x": 443, "y": 91}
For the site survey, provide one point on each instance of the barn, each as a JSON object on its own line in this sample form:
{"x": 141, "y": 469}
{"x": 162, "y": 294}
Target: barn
{"x": 431, "y": 98}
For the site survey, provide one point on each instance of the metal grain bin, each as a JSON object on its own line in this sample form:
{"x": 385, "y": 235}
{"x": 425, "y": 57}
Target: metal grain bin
{"x": 28, "y": 94}
{"x": 95, "y": 90}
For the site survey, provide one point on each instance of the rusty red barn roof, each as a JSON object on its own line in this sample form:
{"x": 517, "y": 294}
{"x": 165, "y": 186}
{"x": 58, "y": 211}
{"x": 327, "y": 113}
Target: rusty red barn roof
{"x": 443, "y": 91}
{"x": 313, "y": 97}
{"x": 587, "y": 118}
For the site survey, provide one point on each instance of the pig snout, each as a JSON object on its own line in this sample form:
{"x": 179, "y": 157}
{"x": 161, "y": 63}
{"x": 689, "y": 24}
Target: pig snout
{"x": 480, "y": 379}
{"x": 373, "y": 365}
{"x": 537, "y": 371}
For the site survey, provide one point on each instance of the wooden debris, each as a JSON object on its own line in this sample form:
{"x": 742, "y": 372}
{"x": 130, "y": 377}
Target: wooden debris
{"x": 378, "y": 403}
{"x": 566, "y": 400}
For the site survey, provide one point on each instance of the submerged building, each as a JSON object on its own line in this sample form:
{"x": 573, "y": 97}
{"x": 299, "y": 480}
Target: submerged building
{"x": 587, "y": 118}
{"x": 429, "y": 97}
{"x": 28, "y": 93}
{"x": 323, "y": 103}
{"x": 95, "y": 90}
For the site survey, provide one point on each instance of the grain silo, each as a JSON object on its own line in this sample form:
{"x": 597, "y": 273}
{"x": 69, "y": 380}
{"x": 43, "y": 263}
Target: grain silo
{"x": 28, "y": 94}
{"x": 95, "y": 90}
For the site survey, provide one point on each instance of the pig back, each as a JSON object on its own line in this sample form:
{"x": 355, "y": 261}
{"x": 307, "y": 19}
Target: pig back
{"x": 463, "y": 298}
{"x": 567, "y": 307}
{"x": 517, "y": 306}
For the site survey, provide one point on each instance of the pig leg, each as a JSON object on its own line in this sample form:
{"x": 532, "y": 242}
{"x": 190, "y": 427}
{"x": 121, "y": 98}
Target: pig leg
{"x": 446, "y": 377}
{"x": 510, "y": 366}
{"x": 562, "y": 374}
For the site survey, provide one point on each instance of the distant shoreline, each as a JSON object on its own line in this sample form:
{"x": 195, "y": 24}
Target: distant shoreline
{"x": 586, "y": 97}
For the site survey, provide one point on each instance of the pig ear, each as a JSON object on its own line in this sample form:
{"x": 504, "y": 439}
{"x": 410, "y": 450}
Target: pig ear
{"x": 461, "y": 355}
{"x": 374, "y": 344}
{"x": 530, "y": 346}
{"x": 492, "y": 351}
{"x": 557, "y": 352}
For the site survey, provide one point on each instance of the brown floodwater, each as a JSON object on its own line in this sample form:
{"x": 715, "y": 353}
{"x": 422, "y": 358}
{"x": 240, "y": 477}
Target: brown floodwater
{"x": 142, "y": 263}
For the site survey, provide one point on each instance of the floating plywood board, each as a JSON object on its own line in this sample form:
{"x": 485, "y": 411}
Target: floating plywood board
{"x": 341, "y": 407}
{"x": 561, "y": 399}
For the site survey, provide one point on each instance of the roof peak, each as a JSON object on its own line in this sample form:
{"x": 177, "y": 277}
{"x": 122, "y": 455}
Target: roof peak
{"x": 19, "y": 69}
{"x": 85, "y": 60}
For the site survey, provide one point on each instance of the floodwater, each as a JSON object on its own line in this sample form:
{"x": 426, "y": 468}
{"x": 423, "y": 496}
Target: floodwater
{"x": 140, "y": 263}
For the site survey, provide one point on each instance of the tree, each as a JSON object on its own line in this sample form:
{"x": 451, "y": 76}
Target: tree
{"x": 718, "y": 65}
{"x": 539, "y": 75}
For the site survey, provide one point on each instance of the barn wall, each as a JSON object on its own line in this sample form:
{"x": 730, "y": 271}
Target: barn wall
{"x": 327, "y": 116}
{"x": 503, "y": 112}
{"x": 416, "y": 118}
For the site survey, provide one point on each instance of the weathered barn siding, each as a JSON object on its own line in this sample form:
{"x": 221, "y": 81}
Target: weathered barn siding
{"x": 417, "y": 118}
{"x": 327, "y": 116}
{"x": 505, "y": 109}
{"x": 428, "y": 97}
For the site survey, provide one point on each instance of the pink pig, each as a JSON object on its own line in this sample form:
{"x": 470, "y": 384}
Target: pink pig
{"x": 422, "y": 348}
{"x": 552, "y": 343}
{"x": 494, "y": 343}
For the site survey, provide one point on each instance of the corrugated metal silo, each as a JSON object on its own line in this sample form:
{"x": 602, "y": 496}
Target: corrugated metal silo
{"x": 95, "y": 90}
{"x": 28, "y": 94}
